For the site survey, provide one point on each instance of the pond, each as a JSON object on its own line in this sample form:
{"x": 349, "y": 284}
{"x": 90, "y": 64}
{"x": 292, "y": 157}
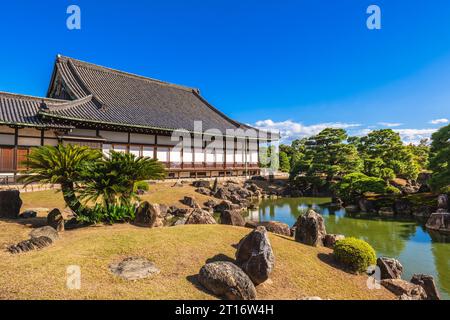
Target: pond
{"x": 419, "y": 250}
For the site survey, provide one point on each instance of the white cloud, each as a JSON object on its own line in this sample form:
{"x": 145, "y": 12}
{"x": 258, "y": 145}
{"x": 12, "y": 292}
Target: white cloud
{"x": 439, "y": 121}
{"x": 415, "y": 135}
{"x": 290, "y": 130}
{"x": 390, "y": 124}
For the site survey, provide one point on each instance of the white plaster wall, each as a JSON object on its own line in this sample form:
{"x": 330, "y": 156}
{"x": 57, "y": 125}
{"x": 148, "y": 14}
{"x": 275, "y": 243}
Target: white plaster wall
{"x": 6, "y": 139}
{"x": 29, "y": 141}
{"x": 112, "y": 136}
{"x": 142, "y": 138}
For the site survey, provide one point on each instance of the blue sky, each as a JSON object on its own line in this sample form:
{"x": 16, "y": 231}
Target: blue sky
{"x": 298, "y": 66}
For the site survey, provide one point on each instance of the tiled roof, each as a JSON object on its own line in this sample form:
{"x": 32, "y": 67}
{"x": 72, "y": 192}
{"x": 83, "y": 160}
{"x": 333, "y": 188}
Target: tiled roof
{"x": 122, "y": 98}
{"x": 22, "y": 110}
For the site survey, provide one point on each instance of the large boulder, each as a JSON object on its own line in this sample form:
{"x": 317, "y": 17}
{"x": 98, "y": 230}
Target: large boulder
{"x": 255, "y": 255}
{"x": 439, "y": 222}
{"x": 134, "y": 268}
{"x": 390, "y": 268}
{"x": 330, "y": 240}
{"x": 10, "y": 204}
{"x": 232, "y": 217}
{"x": 56, "y": 220}
{"x": 46, "y": 231}
{"x": 226, "y": 280}
{"x": 276, "y": 227}
{"x": 427, "y": 283}
{"x": 199, "y": 216}
{"x": 148, "y": 215}
{"x": 404, "y": 290}
{"x": 310, "y": 229}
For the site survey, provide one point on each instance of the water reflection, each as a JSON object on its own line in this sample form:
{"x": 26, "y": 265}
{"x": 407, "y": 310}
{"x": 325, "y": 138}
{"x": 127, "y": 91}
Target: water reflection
{"x": 419, "y": 250}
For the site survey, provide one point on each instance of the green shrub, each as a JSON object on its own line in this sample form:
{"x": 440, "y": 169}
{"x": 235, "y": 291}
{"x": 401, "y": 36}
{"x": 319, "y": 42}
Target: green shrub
{"x": 141, "y": 185}
{"x": 113, "y": 214}
{"x": 356, "y": 254}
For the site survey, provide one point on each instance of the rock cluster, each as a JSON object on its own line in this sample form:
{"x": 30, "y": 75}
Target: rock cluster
{"x": 254, "y": 263}
{"x": 421, "y": 287}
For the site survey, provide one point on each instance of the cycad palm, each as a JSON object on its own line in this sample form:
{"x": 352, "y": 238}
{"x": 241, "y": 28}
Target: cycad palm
{"x": 60, "y": 165}
{"x": 112, "y": 180}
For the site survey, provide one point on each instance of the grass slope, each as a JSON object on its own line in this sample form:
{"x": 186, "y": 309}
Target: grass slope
{"x": 179, "y": 252}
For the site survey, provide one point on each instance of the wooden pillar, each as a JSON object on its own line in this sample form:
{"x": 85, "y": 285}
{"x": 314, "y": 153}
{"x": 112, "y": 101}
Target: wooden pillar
{"x": 16, "y": 143}
{"x": 42, "y": 137}
{"x": 156, "y": 146}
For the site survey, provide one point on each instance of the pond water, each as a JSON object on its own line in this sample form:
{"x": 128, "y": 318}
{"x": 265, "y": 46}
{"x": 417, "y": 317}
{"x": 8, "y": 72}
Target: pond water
{"x": 419, "y": 250}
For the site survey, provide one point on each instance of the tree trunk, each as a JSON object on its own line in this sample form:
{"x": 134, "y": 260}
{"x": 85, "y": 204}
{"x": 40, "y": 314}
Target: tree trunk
{"x": 71, "y": 199}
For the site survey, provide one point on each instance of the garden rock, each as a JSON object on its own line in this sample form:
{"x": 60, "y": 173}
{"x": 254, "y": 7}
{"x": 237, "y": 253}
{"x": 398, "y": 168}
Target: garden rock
{"x": 310, "y": 229}
{"x": 56, "y": 220}
{"x": 439, "y": 222}
{"x": 443, "y": 203}
{"x": 190, "y": 202}
{"x": 46, "y": 231}
{"x": 204, "y": 191}
{"x": 134, "y": 268}
{"x": 210, "y": 204}
{"x": 427, "y": 283}
{"x": 404, "y": 290}
{"x": 199, "y": 216}
{"x": 330, "y": 240}
{"x": 390, "y": 268}
{"x": 10, "y": 204}
{"x": 224, "y": 205}
{"x": 255, "y": 255}
{"x": 276, "y": 227}
{"x": 148, "y": 215}
{"x": 232, "y": 217}
{"x": 28, "y": 214}
{"x": 226, "y": 280}
{"x": 202, "y": 184}
{"x": 30, "y": 245}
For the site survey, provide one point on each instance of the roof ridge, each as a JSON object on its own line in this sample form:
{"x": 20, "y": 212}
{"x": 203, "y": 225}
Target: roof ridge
{"x": 30, "y": 97}
{"x": 71, "y": 103}
{"x": 124, "y": 73}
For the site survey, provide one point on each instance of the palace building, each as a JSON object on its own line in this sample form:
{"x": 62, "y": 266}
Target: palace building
{"x": 107, "y": 109}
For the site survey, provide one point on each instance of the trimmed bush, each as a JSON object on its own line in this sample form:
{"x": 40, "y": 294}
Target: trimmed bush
{"x": 356, "y": 254}
{"x": 141, "y": 185}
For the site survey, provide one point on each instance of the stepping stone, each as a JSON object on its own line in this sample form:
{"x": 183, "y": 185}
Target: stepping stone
{"x": 134, "y": 268}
